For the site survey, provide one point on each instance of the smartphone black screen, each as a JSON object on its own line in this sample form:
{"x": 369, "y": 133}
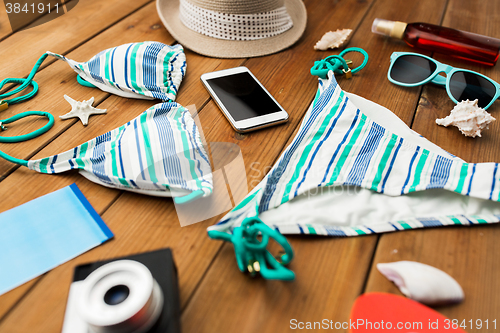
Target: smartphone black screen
{"x": 242, "y": 96}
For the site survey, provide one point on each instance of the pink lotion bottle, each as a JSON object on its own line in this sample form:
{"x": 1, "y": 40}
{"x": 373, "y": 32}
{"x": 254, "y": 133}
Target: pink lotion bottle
{"x": 459, "y": 44}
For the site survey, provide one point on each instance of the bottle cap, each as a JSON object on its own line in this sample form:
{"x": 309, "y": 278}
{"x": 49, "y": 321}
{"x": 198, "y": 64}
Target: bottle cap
{"x": 394, "y": 29}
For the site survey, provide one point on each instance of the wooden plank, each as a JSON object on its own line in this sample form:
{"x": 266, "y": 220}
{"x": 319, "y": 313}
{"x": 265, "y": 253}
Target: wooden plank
{"x": 137, "y": 27}
{"x": 140, "y": 223}
{"x": 467, "y": 254}
{"x": 129, "y": 30}
{"x": 327, "y": 280}
{"x": 48, "y": 323}
{"x": 25, "y": 185}
{"x": 29, "y": 14}
{"x": 31, "y": 19}
{"x": 20, "y": 181}
{"x": 59, "y": 79}
{"x": 255, "y": 306}
{"x": 10, "y": 298}
{"x": 5, "y": 28}
{"x": 21, "y": 50}
{"x": 372, "y": 83}
{"x": 435, "y": 102}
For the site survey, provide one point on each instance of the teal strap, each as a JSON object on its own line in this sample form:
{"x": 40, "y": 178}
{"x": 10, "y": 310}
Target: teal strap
{"x": 19, "y": 98}
{"x": 4, "y": 103}
{"x": 337, "y": 63}
{"x": 83, "y": 82}
{"x": 24, "y": 83}
{"x": 19, "y": 138}
{"x": 252, "y": 254}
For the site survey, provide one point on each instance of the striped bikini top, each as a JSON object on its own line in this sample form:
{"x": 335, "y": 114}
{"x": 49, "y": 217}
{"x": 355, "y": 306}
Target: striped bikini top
{"x": 146, "y": 70}
{"x": 349, "y": 172}
{"x": 158, "y": 153}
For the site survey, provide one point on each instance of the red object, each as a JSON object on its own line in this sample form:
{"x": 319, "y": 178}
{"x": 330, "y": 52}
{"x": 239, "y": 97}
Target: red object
{"x": 459, "y": 44}
{"x": 381, "y": 312}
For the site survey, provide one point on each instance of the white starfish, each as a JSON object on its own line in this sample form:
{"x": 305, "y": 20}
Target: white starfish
{"x": 81, "y": 110}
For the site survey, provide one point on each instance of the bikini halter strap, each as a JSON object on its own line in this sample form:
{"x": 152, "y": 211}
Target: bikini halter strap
{"x": 4, "y": 104}
{"x": 24, "y": 83}
{"x": 19, "y": 138}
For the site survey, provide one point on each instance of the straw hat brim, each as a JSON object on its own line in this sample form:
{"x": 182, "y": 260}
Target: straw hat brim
{"x": 168, "y": 10}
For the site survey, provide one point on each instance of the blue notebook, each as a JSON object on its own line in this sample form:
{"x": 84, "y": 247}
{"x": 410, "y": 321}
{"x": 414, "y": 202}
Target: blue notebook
{"x": 46, "y": 232}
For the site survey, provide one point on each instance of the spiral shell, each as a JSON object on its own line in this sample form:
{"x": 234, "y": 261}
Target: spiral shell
{"x": 468, "y": 117}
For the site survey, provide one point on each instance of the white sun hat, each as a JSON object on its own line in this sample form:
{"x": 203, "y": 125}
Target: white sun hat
{"x": 234, "y": 28}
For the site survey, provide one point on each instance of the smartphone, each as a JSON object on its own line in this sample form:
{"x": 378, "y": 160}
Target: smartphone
{"x": 243, "y": 99}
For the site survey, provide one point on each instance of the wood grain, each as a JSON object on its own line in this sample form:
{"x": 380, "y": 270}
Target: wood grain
{"x": 328, "y": 279}
{"x": 138, "y": 27}
{"x": 50, "y": 99}
{"x": 5, "y": 28}
{"x": 321, "y": 265}
{"x": 59, "y": 79}
{"x": 467, "y": 254}
{"x": 21, "y": 50}
{"x": 30, "y": 16}
{"x": 140, "y": 223}
{"x": 372, "y": 83}
{"x": 29, "y": 185}
{"x": 10, "y": 298}
{"x": 262, "y": 308}
{"x": 435, "y": 102}
{"x": 215, "y": 296}
{"x": 24, "y": 185}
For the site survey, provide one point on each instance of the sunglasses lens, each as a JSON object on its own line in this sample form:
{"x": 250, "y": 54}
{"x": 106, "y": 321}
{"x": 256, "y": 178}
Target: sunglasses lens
{"x": 466, "y": 85}
{"x": 412, "y": 69}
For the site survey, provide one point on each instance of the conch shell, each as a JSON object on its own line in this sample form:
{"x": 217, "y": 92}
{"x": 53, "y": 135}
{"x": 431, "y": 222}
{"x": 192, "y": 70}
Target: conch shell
{"x": 422, "y": 283}
{"x": 333, "y": 39}
{"x": 468, "y": 117}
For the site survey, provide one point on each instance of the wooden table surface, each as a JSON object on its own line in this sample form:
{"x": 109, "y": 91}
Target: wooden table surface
{"x": 215, "y": 296}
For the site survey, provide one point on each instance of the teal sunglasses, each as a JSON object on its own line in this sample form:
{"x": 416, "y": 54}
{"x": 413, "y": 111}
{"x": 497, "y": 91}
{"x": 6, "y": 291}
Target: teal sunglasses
{"x": 413, "y": 69}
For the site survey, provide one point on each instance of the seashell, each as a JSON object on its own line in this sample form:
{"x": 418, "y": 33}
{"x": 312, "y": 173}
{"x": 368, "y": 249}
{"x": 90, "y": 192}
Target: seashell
{"x": 333, "y": 39}
{"x": 468, "y": 117}
{"x": 422, "y": 283}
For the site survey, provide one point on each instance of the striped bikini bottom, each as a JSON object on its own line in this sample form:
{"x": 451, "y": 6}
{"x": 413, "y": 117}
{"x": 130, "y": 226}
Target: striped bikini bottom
{"x": 355, "y": 168}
